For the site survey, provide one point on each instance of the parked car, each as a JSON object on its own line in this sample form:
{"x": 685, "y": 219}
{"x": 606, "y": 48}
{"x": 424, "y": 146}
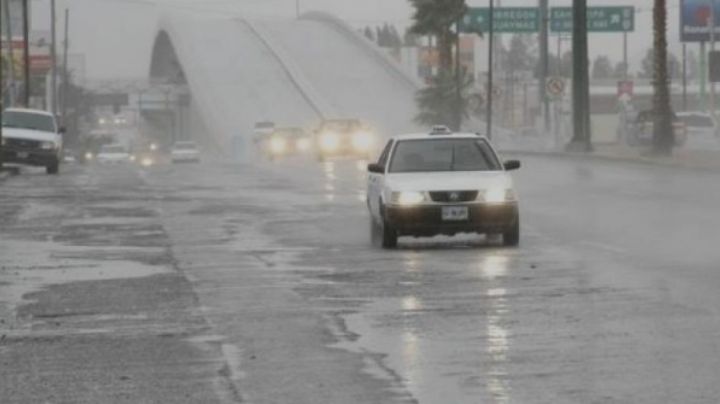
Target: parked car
{"x": 702, "y": 129}
{"x": 641, "y": 130}
{"x": 32, "y": 137}
{"x": 185, "y": 152}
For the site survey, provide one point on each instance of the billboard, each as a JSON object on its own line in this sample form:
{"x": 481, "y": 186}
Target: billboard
{"x": 695, "y": 20}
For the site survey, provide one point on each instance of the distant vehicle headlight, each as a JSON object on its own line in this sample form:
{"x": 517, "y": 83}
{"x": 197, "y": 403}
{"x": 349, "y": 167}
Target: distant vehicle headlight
{"x": 329, "y": 142}
{"x": 147, "y": 162}
{"x": 303, "y": 144}
{"x": 362, "y": 141}
{"x": 499, "y": 195}
{"x": 153, "y": 146}
{"x": 408, "y": 198}
{"x": 47, "y": 145}
{"x": 278, "y": 145}
{"x": 133, "y": 158}
{"x": 89, "y": 156}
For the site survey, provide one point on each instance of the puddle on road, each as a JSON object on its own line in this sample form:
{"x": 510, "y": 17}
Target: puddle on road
{"x": 28, "y": 266}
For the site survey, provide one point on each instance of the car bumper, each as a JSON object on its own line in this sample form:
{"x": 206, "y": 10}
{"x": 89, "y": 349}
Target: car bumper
{"x": 39, "y": 158}
{"x": 428, "y": 221}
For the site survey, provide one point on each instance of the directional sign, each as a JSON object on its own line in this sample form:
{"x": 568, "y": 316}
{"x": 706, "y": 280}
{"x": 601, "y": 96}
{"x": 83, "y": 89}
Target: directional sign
{"x": 555, "y": 86}
{"x": 600, "y": 19}
{"x": 696, "y": 20}
{"x": 505, "y": 20}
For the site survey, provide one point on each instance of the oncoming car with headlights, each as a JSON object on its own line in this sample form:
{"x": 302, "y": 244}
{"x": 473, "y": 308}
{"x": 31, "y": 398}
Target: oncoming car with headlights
{"x": 344, "y": 138}
{"x": 285, "y": 142}
{"x": 441, "y": 183}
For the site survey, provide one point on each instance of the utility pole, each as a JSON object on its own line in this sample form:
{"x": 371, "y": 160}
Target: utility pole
{"x": 626, "y": 68}
{"x": 53, "y": 58}
{"x": 545, "y": 102}
{"x": 10, "y": 56}
{"x": 581, "y": 140}
{"x": 490, "y": 88}
{"x": 713, "y": 107}
{"x": 684, "y": 77}
{"x": 26, "y": 50}
{"x": 458, "y": 79}
{"x": 66, "y": 75}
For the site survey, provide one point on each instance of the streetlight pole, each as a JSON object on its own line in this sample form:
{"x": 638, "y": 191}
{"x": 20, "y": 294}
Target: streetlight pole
{"x": 490, "y": 88}
{"x": 53, "y": 58}
{"x": 10, "y": 55}
{"x": 544, "y": 63}
{"x": 26, "y": 50}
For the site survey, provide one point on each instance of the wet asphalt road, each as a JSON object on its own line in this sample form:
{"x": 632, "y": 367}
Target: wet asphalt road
{"x": 257, "y": 283}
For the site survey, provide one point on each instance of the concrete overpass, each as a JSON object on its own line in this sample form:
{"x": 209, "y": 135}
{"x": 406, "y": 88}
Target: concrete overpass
{"x": 294, "y": 72}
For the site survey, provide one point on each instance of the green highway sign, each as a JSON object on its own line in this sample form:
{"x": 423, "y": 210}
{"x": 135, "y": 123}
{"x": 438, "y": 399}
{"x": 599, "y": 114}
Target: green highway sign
{"x": 600, "y": 19}
{"x": 527, "y": 19}
{"x": 505, "y": 20}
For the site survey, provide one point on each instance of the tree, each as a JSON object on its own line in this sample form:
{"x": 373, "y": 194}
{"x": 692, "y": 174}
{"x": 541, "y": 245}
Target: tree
{"x": 663, "y": 137}
{"x": 437, "y": 18}
{"x": 369, "y": 34}
{"x": 521, "y": 54}
{"x": 674, "y": 66}
{"x": 410, "y": 39}
{"x": 439, "y": 103}
{"x": 602, "y": 68}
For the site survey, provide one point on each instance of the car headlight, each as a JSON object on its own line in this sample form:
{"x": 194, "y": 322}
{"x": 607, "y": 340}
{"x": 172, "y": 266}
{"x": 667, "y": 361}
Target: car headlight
{"x": 362, "y": 141}
{"x": 278, "y": 145}
{"x": 329, "y": 142}
{"x": 499, "y": 195}
{"x": 133, "y": 158}
{"x": 303, "y": 144}
{"x": 408, "y": 198}
{"x": 47, "y": 145}
{"x": 153, "y": 147}
{"x": 89, "y": 156}
{"x": 147, "y": 162}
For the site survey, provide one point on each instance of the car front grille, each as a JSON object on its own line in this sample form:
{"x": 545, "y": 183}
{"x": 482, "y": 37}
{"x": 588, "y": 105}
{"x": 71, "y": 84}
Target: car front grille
{"x": 453, "y": 196}
{"x": 22, "y": 144}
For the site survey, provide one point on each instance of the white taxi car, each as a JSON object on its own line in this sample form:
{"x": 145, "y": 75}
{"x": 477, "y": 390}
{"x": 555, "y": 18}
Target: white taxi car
{"x": 441, "y": 183}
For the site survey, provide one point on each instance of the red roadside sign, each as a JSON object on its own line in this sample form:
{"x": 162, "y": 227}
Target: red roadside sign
{"x": 625, "y": 88}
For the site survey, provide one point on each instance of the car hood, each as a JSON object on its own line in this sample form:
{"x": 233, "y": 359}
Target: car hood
{"x": 449, "y": 181}
{"x": 29, "y": 134}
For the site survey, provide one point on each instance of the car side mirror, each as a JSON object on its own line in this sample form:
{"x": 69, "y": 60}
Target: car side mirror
{"x": 62, "y": 130}
{"x": 512, "y": 165}
{"x": 376, "y": 168}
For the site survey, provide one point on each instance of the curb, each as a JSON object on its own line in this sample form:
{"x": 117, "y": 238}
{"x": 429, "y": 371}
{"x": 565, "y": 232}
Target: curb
{"x": 647, "y": 161}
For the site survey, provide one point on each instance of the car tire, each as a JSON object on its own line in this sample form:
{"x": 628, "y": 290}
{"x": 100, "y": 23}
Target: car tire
{"x": 389, "y": 236}
{"x": 511, "y": 238}
{"x": 53, "y": 169}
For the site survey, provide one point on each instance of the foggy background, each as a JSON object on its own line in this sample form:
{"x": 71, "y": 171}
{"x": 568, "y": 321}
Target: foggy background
{"x": 116, "y": 36}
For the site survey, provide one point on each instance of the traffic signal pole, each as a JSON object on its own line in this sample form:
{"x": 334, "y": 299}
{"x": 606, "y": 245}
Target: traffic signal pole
{"x": 581, "y": 140}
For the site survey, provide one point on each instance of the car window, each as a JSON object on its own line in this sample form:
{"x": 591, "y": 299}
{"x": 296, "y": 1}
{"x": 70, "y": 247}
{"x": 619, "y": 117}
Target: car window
{"x": 442, "y": 155}
{"x": 385, "y": 153}
{"x": 29, "y": 120}
{"x": 697, "y": 121}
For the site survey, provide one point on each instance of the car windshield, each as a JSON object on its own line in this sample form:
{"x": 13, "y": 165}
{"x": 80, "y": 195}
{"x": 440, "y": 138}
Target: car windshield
{"x": 29, "y": 120}
{"x": 697, "y": 121}
{"x": 441, "y": 155}
{"x": 112, "y": 149}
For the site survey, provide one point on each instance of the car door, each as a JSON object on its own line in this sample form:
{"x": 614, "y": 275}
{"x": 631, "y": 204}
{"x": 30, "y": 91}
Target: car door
{"x": 376, "y": 181}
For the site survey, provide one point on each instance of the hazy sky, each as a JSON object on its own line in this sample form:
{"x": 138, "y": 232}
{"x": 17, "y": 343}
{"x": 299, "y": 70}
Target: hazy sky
{"x": 116, "y": 35}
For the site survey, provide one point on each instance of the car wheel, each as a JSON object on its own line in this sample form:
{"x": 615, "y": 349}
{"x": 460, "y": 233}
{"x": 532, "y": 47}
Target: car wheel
{"x": 53, "y": 169}
{"x": 511, "y": 238}
{"x": 389, "y": 236}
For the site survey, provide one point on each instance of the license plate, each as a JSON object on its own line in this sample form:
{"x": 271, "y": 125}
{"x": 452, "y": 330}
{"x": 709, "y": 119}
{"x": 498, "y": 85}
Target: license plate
{"x": 455, "y": 213}
{"x": 23, "y": 155}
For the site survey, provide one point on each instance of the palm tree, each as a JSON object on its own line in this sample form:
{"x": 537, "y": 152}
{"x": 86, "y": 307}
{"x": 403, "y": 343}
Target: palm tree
{"x": 437, "y": 18}
{"x": 663, "y": 137}
{"x": 439, "y": 102}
